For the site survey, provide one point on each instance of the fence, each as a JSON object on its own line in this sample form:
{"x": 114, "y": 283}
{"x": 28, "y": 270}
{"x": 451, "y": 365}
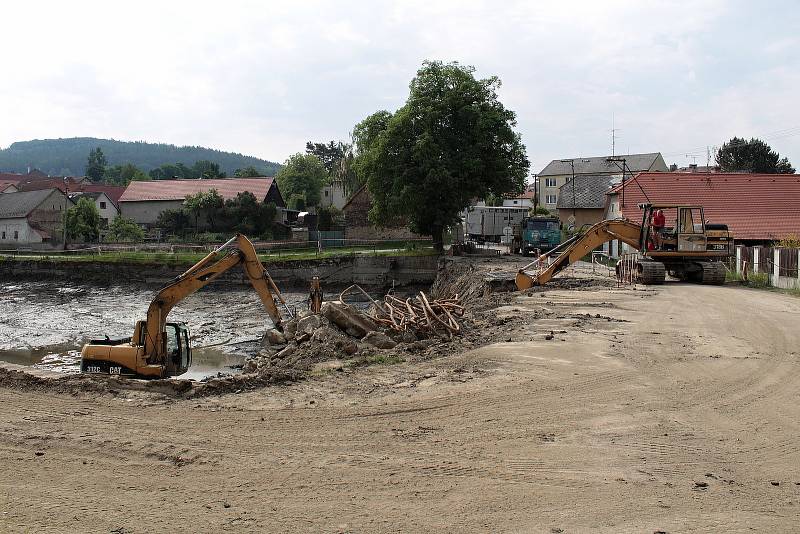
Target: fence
{"x": 779, "y": 264}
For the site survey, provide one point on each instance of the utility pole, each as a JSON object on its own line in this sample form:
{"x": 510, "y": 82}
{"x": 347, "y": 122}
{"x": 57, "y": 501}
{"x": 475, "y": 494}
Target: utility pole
{"x": 624, "y": 166}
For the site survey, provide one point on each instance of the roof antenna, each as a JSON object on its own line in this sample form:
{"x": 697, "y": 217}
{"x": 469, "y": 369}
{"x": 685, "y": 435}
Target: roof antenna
{"x": 613, "y": 136}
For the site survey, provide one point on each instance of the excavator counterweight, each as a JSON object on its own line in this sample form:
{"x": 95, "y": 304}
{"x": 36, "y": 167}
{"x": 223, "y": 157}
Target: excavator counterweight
{"x": 158, "y": 349}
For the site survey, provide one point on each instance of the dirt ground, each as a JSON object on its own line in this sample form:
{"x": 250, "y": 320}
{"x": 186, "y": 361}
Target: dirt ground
{"x": 672, "y": 409}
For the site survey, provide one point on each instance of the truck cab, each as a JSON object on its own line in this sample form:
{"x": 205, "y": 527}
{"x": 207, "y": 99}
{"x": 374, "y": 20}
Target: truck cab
{"x": 542, "y": 233}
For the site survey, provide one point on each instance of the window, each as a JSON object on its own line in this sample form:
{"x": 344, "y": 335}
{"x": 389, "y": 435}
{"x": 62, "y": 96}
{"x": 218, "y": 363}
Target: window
{"x": 549, "y": 182}
{"x": 16, "y": 234}
{"x": 4, "y": 235}
{"x": 102, "y": 205}
{"x": 550, "y": 199}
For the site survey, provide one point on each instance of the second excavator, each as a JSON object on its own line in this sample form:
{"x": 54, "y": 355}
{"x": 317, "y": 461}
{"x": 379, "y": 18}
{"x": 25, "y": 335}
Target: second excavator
{"x": 691, "y": 250}
{"x": 158, "y": 349}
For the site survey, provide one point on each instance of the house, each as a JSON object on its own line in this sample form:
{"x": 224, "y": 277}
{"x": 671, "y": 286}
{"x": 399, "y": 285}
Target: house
{"x": 758, "y": 208}
{"x": 582, "y": 201}
{"x": 558, "y": 172}
{"x": 71, "y": 185}
{"x": 32, "y": 218}
{"x": 333, "y": 194}
{"x": 145, "y": 201}
{"x": 106, "y": 207}
{"x": 358, "y": 226}
{"x": 8, "y": 186}
{"x": 523, "y": 200}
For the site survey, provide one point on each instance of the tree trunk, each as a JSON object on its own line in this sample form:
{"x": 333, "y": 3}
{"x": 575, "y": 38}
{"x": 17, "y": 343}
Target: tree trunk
{"x": 438, "y": 239}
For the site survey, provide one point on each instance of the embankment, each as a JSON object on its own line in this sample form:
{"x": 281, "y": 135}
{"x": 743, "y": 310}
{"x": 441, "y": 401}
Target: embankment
{"x": 373, "y": 271}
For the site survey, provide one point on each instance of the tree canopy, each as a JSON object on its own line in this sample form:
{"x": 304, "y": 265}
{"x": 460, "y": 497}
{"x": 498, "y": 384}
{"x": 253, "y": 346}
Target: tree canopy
{"x": 124, "y": 230}
{"x": 300, "y": 180}
{"x": 452, "y": 141}
{"x": 83, "y": 221}
{"x": 751, "y": 156}
{"x": 124, "y": 174}
{"x": 328, "y": 154}
{"x": 67, "y": 157}
{"x": 247, "y": 172}
{"x": 96, "y": 164}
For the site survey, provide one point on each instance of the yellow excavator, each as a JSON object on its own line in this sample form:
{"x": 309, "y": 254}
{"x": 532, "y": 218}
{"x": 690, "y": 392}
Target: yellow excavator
{"x": 692, "y": 250}
{"x": 159, "y": 349}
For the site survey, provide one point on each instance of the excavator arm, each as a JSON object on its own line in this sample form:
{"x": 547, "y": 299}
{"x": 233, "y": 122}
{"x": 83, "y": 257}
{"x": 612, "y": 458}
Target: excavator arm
{"x": 240, "y": 250}
{"x": 577, "y": 247}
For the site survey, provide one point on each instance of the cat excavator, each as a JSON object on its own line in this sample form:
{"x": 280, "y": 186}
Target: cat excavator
{"x": 692, "y": 250}
{"x": 158, "y": 349}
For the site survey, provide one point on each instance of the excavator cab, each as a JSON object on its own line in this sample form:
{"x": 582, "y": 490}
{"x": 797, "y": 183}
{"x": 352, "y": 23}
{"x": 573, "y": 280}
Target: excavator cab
{"x": 179, "y": 350}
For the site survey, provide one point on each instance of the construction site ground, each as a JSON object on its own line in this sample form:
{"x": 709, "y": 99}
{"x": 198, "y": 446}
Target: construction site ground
{"x": 591, "y": 408}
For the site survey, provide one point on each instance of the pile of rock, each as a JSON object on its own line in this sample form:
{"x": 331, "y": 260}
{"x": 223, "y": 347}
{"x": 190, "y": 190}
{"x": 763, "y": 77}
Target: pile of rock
{"x": 339, "y": 331}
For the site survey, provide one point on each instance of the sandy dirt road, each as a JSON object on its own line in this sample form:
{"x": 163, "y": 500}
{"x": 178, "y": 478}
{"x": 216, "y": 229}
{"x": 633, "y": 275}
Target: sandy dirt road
{"x": 673, "y": 409}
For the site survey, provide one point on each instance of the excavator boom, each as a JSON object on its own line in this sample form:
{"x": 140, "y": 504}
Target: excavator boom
{"x": 146, "y": 352}
{"x": 578, "y": 247}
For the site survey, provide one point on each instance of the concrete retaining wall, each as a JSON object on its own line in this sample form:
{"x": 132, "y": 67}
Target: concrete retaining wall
{"x": 375, "y": 271}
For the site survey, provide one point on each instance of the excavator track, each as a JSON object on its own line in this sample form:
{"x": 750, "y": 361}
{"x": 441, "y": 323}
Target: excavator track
{"x": 713, "y": 273}
{"x": 650, "y": 272}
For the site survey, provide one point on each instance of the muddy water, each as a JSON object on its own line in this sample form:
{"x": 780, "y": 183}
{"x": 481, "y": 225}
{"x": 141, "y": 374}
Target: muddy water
{"x": 45, "y": 324}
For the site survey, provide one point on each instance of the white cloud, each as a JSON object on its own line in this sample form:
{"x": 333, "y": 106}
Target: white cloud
{"x": 264, "y": 77}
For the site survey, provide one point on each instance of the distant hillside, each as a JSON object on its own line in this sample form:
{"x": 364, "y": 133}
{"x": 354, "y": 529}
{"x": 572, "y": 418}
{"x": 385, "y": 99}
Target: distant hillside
{"x": 67, "y": 157}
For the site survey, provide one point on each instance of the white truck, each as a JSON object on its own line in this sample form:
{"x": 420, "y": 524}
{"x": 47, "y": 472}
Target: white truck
{"x": 486, "y": 223}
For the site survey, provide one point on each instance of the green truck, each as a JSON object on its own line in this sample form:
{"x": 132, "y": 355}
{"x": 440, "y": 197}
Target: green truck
{"x": 541, "y": 233}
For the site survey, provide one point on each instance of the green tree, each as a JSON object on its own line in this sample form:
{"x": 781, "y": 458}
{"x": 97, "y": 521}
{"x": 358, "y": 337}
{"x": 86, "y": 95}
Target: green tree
{"x": 170, "y": 171}
{"x": 83, "y": 221}
{"x": 247, "y": 172}
{"x": 328, "y": 154}
{"x": 208, "y": 204}
{"x": 300, "y": 180}
{"x": 206, "y": 169}
{"x": 365, "y": 136}
{"x": 451, "y": 142}
{"x": 174, "y": 221}
{"x": 329, "y": 218}
{"x": 96, "y": 165}
{"x": 493, "y": 200}
{"x": 247, "y": 215}
{"x": 123, "y": 230}
{"x": 751, "y": 156}
{"x": 125, "y": 174}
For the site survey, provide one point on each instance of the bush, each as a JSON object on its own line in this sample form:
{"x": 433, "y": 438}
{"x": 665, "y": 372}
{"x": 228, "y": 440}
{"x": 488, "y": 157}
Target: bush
{"x": 122, "y": 230}
{"x": 758, "y": 280}
{"x": 789, "y": 241}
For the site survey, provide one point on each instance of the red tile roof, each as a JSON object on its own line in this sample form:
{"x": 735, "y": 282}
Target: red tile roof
{"x": 228, "y": 188}
{"x": 11, "y": 177}
{"x": 754, "y": 206}
{"x": 114, "y": 192}
{"x": 5, "y": 183}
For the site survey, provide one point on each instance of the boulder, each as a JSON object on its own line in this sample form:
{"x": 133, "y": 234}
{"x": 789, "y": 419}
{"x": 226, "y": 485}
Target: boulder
{"x": 285, "y": 353}
{"x": 326, "y": 334}
{"x": 350, "y": 320}
{"x": 309, "y": 324}
{"x": 379, "y": 340}
{"x": 274, "y": 337}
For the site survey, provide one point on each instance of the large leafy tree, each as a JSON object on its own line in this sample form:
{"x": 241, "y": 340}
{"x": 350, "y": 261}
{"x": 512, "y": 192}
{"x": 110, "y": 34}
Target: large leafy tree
{"x": 453, "y": 141}
{"x": 207, "y": 169}
{"x": 328, "y": 154}
{"x": 751, "y": 156}
{"x": 124, "y": 230}
{"x": 96, "y": 165}
{"x": 209, "y": 204}
{"x": 247, "y": 172}
{"x": 83, "y": 221}
{"x": 168, "y": 171}
{"x": 300, "y": 180}
{"x": 125, "y": 174}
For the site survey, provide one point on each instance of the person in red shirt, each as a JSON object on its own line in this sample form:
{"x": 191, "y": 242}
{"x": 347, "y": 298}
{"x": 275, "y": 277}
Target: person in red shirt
{"x": 657, "y": 222}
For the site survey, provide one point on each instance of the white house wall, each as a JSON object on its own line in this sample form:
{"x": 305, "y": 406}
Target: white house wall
{"x": 25, "y": 234}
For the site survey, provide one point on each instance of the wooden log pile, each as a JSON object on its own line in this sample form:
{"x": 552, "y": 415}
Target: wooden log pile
{"x": 420, "y": 314}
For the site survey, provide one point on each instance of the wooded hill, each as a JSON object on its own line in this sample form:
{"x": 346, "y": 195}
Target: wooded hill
{"x": 67, "y": 157}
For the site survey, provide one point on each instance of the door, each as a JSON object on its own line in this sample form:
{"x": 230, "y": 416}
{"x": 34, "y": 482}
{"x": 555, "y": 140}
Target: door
{"x": 691, "y": 230}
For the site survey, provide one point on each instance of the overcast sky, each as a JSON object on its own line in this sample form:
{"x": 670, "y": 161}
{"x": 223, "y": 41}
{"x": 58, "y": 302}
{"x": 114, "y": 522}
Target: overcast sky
{"x": 262, "y": 78}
